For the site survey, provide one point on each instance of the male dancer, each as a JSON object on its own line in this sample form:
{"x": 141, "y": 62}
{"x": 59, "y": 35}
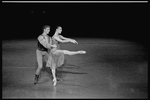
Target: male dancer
{"x": 42, "y": 50}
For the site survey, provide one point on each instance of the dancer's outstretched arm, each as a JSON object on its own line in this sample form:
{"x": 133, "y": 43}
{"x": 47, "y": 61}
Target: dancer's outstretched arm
{"x": 63, "y": 40}
{"x": 60, "y": 40}
{"x": 71, "y": 40}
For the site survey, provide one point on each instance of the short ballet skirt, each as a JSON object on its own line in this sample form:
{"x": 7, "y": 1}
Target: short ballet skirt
{"x": 55, "y": 59}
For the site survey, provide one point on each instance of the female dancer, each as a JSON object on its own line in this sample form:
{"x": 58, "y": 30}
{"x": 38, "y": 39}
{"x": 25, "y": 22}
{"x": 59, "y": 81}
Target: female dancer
{"x": 56, "y": 56}
{"x": 60, "y": 39}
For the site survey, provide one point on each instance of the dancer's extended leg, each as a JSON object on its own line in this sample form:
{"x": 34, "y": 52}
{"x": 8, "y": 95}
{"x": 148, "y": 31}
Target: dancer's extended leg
{"x": 71, "y": 52}
{"x": 53, "y": 69}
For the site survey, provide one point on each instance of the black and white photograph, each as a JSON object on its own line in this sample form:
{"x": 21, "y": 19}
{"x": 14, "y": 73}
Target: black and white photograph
{"x": 74, "y": 50}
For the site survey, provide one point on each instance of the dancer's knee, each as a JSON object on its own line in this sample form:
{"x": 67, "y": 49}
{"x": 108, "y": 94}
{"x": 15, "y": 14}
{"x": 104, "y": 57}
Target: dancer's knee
{"x": 39, "y": 67}
{"x": 38, "y": 70}
{"x": 66, "y": 52}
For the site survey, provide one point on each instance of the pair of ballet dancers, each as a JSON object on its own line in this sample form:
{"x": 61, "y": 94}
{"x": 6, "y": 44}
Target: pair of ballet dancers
{"x": 49, "y": 46}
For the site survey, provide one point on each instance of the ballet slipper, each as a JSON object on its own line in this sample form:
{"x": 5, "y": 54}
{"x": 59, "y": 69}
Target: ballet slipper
{"x": 82, "y": 52}
{"x": 54, "y": 82}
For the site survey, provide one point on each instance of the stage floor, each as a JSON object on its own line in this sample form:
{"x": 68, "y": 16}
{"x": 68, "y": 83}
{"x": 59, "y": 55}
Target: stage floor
{"x": 110, "y": 69}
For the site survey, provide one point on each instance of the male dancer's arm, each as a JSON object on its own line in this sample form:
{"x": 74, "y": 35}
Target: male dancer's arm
{"x": 44, "y": 42}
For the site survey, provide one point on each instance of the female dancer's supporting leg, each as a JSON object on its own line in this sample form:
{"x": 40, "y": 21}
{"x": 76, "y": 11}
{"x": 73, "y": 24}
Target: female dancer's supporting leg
{"x": 54, "y": 76}
{"x": 53, "y": 69}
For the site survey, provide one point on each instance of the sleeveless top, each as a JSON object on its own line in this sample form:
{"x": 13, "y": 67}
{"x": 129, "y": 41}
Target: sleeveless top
{"x": 54, "y": 41}
{"x": 41, "y": 47}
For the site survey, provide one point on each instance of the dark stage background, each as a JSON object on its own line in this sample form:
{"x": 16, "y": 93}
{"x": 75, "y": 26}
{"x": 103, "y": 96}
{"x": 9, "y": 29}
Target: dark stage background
{"x": 99, "y": 20}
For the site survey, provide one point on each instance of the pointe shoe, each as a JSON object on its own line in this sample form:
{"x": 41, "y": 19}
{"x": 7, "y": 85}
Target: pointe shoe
{"x": 54, "y": 82}
{"x": 82, "y": 52}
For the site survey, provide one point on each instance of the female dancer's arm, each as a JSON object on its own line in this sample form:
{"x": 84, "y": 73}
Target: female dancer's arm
{"x": 62, "y": 39}
{"x": 71, "y": 40}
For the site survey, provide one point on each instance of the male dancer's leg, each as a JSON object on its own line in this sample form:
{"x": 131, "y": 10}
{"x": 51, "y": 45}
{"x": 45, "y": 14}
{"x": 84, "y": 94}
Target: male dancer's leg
{"x": 40, "y": 64}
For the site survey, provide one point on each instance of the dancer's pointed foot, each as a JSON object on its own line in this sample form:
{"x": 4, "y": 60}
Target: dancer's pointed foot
{"x": 54, "y": 82}
{"x": 82, "y": 52}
